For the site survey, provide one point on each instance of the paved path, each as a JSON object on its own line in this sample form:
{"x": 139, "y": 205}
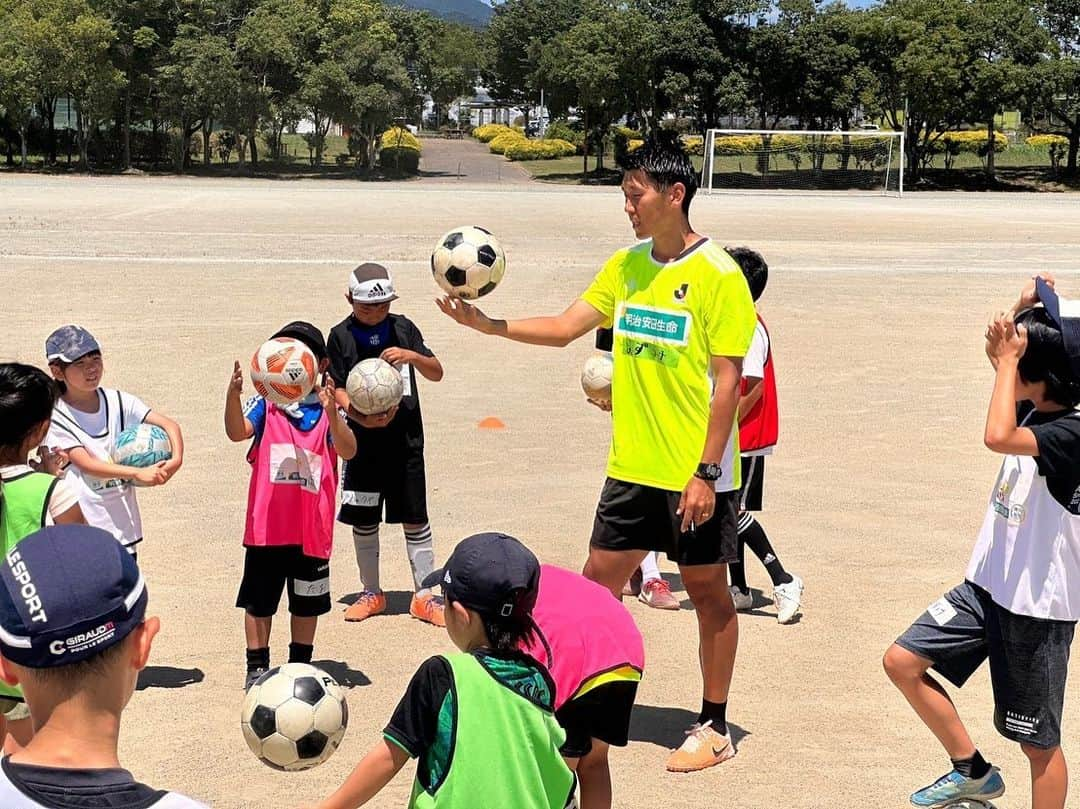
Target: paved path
{"x": 466, "y": 160}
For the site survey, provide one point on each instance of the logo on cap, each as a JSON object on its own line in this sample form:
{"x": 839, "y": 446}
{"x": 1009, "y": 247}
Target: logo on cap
{"x": 28, "y": 590}
{"x": 446, "y": 577}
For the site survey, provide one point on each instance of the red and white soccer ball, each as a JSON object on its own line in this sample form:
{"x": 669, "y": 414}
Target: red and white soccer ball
{"x": 374, "y": 386}
{"x": 468, "y": 262}
{"x": 284, "y": 370}
{"x": 596, "y": 377}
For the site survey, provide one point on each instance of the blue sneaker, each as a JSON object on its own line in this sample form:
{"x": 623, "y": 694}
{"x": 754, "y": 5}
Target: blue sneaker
{"x": 953, "y": 787}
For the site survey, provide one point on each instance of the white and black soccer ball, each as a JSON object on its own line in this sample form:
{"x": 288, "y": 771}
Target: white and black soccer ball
{"x": 468, "y": 262}
{"x": 374, "y": 386}
{"x": 294, "y": 717}
{"x": 596, "y": 377}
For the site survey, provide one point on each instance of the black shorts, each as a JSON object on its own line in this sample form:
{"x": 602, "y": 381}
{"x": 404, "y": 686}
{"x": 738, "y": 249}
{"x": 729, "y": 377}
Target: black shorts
{"x": 753, "y": 482}
{"x": 268, "y": 570}
{"x": 630, "y": 516}
{"x": 398, "y": 487}
{"x": 1029, "y": 659}
{"x": 602, "y": 713}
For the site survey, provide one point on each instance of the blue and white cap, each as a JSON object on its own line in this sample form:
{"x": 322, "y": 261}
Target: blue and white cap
{"x": 67, "y": 593}
{"x": 69, "y": 344}
{"x": 1066, "y": 313}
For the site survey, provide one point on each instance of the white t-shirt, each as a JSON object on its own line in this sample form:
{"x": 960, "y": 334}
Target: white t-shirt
{"x": 106, "y": 504}
{"x": 1027, "y": 555}
{"x": 63, "y": 495}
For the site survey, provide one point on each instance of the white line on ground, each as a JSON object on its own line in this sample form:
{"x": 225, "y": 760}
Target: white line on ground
{"x": 1002, "y": 267}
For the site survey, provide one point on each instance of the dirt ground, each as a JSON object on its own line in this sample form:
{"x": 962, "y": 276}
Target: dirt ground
{"x": 876, "y": 308}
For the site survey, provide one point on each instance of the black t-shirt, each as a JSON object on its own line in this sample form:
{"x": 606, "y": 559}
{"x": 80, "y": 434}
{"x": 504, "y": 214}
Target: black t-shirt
{"x": 346, "y": 348}
{"x": 57, "y": 788}
{"x": 1057, "y": 435}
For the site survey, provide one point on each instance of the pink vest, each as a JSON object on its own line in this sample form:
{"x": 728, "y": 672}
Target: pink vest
{"x": 293, "y": 489}
{"x": 590, "y": 635}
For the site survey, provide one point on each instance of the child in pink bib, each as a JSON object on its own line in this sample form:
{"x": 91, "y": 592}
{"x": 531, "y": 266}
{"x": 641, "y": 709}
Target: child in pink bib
{"x": 292, "y": 498}
{"x": 594, "y": 652}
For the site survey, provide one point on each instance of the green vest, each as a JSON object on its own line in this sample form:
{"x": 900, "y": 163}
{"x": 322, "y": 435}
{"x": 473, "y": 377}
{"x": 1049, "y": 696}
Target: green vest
{"x": 504, "y": 752}
{"x": 24, "y": 503}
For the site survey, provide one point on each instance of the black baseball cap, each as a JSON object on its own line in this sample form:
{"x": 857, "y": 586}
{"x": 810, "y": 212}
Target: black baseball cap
{"x": 67, "y": 593}
{"x": 307, "y": 334}
{"x": 1066, "y": 313}
{"x": 491, "y": 573}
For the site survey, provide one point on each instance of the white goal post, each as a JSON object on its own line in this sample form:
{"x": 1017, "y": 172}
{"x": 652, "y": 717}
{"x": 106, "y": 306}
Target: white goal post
{"x": 803, "y": 160}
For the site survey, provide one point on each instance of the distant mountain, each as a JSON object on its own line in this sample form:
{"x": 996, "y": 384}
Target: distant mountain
{"x": 470, "y": 12}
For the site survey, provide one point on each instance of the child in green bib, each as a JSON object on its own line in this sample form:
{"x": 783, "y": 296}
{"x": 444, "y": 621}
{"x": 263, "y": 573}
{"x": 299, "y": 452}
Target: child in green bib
{"x": 29, "y": 499}
{"x": 480, "y": 723}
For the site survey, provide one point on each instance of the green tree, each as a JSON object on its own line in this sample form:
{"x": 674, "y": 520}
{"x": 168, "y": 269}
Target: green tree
{"x": 443, "y": 58}
{"x": 603, "y": 66}
{"x": 19, "y": 70}
{"x": 1058, "y": 77}
{"x": 517, "y": 34}
{"x": 1006, "y": 42}
{"x": 916, "y": 52}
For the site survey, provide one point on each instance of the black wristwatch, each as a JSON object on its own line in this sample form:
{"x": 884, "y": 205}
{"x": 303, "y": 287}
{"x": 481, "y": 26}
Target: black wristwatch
{"x": 709, "y": 471}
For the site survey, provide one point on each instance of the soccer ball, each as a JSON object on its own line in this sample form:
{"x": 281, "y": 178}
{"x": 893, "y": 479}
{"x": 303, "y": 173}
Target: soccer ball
{"x": 596, "y": 377}
{"x": 283, "y": 370}
{"x": 294, "y": 717}
{"x": 141, "y": 446}
{"x": 374, "y": 386}
{"x": 468, "y": 262}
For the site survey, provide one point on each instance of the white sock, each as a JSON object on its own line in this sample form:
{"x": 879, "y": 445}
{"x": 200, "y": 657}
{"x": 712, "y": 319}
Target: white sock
{"x": 418, "y": 545}
{"x": 366, "y": 542}
{"x": 649, "y": 567}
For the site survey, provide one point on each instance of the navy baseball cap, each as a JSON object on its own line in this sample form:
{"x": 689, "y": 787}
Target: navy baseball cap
{"x": 307, "y": 334}
{"x": 69, "y": 343}
{"x": 491, "y": 573}
{"x": 67, "y": 593}
{"x": 1066, "y": 314}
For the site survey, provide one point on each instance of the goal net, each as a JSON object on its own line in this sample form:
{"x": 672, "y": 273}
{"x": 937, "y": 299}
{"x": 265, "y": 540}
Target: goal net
{"x": 793, "y": 160}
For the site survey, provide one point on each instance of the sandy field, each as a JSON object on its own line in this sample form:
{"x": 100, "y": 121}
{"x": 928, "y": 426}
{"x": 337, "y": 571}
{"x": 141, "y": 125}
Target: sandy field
{"x": 876, "y": 307}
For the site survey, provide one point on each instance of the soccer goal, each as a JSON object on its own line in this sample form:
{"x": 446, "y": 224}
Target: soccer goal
{"x": 800, "y": 160}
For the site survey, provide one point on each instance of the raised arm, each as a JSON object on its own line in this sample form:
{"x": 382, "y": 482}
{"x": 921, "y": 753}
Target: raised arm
{"x": 559, "y": 330}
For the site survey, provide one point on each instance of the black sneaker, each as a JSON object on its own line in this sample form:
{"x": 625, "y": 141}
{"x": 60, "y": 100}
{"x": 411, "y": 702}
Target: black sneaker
{"x": 252, "y": 676}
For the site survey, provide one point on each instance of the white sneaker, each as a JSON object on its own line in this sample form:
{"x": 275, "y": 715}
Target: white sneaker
{"x": 742, "y": 598}
{"x": 787, "y": 598}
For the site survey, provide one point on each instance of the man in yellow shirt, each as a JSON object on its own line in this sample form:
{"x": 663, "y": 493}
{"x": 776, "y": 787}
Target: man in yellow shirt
{"x": 683, "y": 320}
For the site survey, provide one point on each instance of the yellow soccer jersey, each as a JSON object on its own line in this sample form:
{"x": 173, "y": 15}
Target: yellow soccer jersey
{"x": 669, "y": 320}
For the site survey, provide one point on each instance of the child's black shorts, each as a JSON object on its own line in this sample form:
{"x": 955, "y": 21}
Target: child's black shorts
{"x": 1029, "y": 659}
{"x": 268, "y": 570}
{"x": 602, "y": 713}
{"x": 753, "y": 482}
{"x": 630, "y": 516}
{"x": 399, "y": 487}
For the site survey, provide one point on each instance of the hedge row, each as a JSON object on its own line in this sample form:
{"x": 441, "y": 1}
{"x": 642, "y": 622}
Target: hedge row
{"x": 547, "y": 149}
{"x": 396, "y": 137}
{"x": 488, "y": 132}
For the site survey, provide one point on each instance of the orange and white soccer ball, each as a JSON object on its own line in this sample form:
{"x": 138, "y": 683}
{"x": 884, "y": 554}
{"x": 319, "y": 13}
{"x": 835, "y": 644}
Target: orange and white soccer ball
{"x": 284, "y": 370}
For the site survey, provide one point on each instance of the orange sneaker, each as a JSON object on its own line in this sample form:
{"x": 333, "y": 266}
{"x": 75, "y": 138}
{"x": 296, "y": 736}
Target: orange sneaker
{"x": 365, "y": 606}
{"x": 428, "y": 608}
{"x": 703, "y": 748}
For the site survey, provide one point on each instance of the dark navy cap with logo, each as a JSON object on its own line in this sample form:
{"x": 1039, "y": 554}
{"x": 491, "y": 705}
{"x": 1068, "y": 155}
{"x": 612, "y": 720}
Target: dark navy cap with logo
{"x": 491, "y": 573}
{"x": 67, "y": 593}
{"x": 1066, "y": 313}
